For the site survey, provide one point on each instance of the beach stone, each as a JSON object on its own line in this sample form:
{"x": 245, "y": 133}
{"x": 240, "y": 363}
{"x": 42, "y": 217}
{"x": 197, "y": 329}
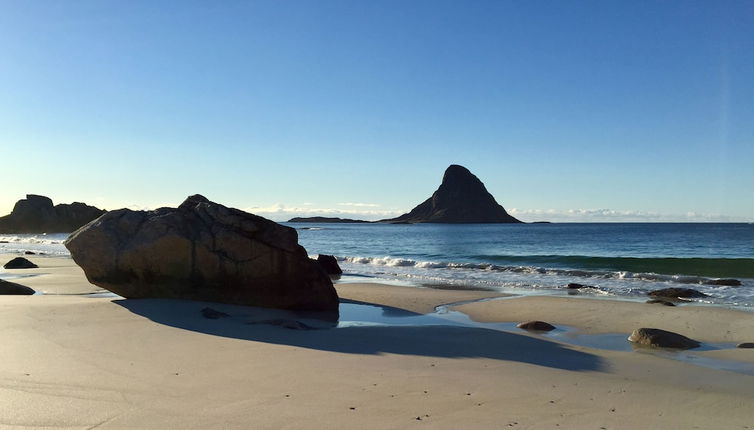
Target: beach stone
{"x": 660, "y": 302}
{"x": 682, "y": 293}
{"x": 661, "y": 338}
{"x": 201, "y": 251}
{"x": 745, "y": 345}
{"x": 13, "y": 289}
{"x": 725, "y": 282}
{"x": 20, "y": 263}
{"x": 575, "y": 286}
{"x": 536, "y": 326}
{"x": 330, "y": 264}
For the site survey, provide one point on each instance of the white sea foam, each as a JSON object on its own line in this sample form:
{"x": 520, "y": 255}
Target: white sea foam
{"x": 51, "y": 244}
{"x": 531, "y": 278}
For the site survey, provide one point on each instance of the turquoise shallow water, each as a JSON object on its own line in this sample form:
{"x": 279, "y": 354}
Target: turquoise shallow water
{"x": 618, "y": 260}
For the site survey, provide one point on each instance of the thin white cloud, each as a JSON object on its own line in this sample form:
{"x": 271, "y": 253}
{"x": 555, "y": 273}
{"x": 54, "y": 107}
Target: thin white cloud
{"x": 360, "y": 205}
{"x": 611, "y": 215}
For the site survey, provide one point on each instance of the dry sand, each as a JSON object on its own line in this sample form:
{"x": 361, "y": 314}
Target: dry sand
{"x": 86, "y": 362}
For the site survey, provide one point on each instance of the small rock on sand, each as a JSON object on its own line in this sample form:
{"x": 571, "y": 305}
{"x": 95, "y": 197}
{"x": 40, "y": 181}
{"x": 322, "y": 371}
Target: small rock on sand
{"x": 20, "y": 263}
{"x": 661, "y": 338}
{"x": 536, "y": 326}
{"x": 745, "y": 345}
{"x": 13, "y": 289}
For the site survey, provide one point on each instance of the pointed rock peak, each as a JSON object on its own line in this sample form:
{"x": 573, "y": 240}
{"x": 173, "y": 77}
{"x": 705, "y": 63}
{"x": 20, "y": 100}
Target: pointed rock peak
{"x": 460, "y": 177}
{"x": 461, "y": 198}
{"x": 192, "y": 201}
{"x": 456, "y": 171}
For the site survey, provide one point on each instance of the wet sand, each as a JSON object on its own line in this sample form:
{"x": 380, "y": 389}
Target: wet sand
{"x": 73, "y": 361}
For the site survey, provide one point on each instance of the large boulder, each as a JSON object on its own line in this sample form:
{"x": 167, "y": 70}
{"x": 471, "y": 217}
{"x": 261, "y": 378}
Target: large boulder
{"x": 201, "y": 251}
{"x": 13, "y": 289}
{"x": 661, "y": 338}
{"x": 36, "y": 214}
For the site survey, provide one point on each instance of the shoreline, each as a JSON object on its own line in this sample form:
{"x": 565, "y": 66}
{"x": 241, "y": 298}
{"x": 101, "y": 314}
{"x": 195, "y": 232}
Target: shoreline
{"x": 83, "y": 361}
{"x": 31, "y": 276}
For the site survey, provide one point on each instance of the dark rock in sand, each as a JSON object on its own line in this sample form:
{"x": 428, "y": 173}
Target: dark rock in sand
{"x": 213, "y": 314}
{"x": 36, "y": 214}
{"x": 660, "y": 302}
{"x": 682, "y": 293}
{"x": 20, "y": 263}
{"x": 661, "y": 338}
{"x": 745, "y": 345}
{"x": 329, "y": 264}
{"x": 13, "y": 289}
{"x": 575, "y": 286}
{"x": 461, "y": 198}
{"x": 201, "y": 251}
{"x": 29, "y": 253}
{"x": 536, "y": 326}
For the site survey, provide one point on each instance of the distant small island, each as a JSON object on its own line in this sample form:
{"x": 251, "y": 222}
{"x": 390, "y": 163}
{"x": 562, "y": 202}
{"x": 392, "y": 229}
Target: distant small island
{"x": 324, "y": 219}
{"x": 461, "y": 199}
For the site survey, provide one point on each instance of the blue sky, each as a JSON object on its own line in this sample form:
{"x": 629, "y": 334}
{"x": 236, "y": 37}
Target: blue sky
{"x": 603, "y": 110}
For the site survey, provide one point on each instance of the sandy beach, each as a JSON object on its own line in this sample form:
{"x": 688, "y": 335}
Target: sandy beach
{"x": 72, "y": 360}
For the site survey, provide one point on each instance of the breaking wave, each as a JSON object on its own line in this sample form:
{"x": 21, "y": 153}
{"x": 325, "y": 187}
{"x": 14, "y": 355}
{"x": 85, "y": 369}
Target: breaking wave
{"x": 619, "y": 274}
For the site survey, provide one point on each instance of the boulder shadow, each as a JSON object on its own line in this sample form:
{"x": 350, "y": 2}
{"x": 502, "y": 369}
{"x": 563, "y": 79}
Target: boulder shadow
{"x": 427, "y": 336}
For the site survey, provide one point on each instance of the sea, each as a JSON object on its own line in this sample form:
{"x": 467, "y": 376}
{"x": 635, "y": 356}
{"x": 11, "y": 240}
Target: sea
{"x": 613, "y": 260}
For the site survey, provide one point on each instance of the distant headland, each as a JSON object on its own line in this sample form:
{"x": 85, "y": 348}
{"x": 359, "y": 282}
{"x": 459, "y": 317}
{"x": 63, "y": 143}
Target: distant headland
{"x": 324, "y": 219}
{"x": 36, "y": 214}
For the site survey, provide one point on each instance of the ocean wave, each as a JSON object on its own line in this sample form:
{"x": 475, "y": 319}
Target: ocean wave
{"x": 580, "y": 273}
{"x": 693, "y": 266}
{"x": 49, "y": 244}
{"x": 37, "y": 239}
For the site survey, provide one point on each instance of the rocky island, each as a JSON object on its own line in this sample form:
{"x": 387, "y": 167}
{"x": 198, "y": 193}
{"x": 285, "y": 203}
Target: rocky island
{"x": 325, "y": 219}
{"x": 36, "y": 214}
{"x": 461, "y": 199}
